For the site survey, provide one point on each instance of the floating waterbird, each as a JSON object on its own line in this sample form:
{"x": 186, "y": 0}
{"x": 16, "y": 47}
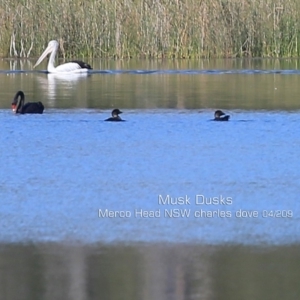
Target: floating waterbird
{"x": 75, "y": 66}
{"x": 115, "y": 116}
{"x": 220, "y": 116}
{"x": 19, "y": 107}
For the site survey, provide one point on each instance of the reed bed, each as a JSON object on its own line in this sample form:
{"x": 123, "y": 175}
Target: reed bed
{"x": 151, "y": 28}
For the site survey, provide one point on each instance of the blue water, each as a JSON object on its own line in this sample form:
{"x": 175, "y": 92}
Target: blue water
{"x": 58, "y": 169}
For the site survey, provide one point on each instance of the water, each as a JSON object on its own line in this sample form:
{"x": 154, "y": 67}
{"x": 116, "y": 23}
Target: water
{"x": 74, "y": 185}
{"x": 65, "y": 166}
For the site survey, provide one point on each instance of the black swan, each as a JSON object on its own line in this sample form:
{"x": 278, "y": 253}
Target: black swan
{"x": 19, "y": 107}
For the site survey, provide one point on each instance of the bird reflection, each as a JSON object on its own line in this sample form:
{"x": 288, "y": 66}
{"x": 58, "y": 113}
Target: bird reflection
{"x": 59, "y": 85}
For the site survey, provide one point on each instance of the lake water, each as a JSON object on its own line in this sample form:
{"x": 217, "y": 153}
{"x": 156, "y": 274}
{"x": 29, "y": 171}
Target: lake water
{"x": 167, "y": 205}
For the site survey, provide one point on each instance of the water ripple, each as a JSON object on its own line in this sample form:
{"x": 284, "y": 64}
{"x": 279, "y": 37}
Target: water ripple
{"x": 180, "y": 71}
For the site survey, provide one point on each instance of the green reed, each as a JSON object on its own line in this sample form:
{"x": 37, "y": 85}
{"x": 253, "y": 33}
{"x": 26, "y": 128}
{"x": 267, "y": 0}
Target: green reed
{"x": 151, "y": 28}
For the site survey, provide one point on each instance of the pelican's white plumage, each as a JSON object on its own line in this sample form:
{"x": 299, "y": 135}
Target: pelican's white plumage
{"x": 75, "y": 66}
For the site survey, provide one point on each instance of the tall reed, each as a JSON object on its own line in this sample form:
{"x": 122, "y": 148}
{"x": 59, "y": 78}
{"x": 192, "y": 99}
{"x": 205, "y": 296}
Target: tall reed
{"x": 151, "y": 28}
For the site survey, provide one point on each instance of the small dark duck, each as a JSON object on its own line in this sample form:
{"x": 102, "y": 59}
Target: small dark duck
{"x": 19, "y": 107}
{"x": 220, "y": 116}
{"x": 115, "y": 116}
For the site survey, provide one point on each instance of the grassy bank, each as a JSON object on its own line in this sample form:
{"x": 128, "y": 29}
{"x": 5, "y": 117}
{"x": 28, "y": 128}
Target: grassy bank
{"x": 151, "y": 28}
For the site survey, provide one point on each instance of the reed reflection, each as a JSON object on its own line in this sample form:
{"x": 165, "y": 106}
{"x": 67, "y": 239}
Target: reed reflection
{"x": 53, "y": 271}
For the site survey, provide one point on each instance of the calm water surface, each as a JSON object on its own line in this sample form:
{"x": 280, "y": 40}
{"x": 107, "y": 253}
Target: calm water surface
{"x": 167, "y": 205}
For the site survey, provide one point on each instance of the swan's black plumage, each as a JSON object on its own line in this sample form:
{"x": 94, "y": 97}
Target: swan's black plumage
{"x": 19, "y": 107}
{"x": 115, "y": 116}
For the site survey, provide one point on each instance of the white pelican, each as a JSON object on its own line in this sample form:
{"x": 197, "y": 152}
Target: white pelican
{"x": 75, "y": 66}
